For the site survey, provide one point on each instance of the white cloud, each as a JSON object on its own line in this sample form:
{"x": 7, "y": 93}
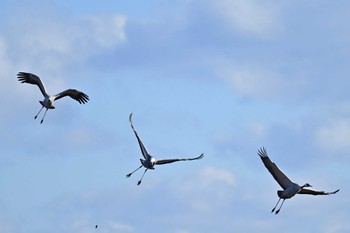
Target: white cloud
{"x": 212, "y": 175}
{"x": 56, "y": 39}
{"x": 180, "y": 202}
{"x": 250, "y": 16}
{"x": 6, "y": 227}
{"x": 84, "y": 226}
{"x": 251, "y": 81}
{"x": 182, "y": 231}
{"x": 51, "y": 44}
{"x": 120, "y": 227}
{"x": 335, "y": 136}
{"x": 211, "y": 184}
{"x": 338, "y": 226}
{"x": 222, "y": 136}
{"x": 108, "y": 31}
{"x": 259, "y": 79}
{"x": 3, "y": 47}
{"x": 259, "y": 129}
{"x": 80, "y": 137}
{"x": 6, "y": 64}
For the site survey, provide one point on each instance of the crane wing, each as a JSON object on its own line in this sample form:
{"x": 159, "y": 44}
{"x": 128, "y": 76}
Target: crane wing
{"x": 79, "y": 96}
{"x": 277, "y": 174}
{"x": 165, "y": 161}
{"x": 24, "y": 77}
{"x": 142, "y": 147}
{"x": 315, "y": 192}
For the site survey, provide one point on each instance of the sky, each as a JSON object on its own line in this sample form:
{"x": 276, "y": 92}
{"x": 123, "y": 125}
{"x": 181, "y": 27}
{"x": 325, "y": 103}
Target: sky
{"x": 222, "y": 78}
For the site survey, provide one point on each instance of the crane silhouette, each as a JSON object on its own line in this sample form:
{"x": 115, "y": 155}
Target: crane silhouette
{"x": 289, "y": 188}
{"x": 149, "y": 161}
{"x": 48, "y": 101}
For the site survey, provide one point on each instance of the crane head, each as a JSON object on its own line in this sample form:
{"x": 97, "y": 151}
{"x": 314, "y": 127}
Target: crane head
{"x": 306, "y": 185}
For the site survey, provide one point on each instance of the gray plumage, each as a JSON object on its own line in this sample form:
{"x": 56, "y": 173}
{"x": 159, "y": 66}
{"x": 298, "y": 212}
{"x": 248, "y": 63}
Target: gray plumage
{"x": 149, "y": 161}
{"x": 289, "y": 188}
{"x": 48, "y": 101}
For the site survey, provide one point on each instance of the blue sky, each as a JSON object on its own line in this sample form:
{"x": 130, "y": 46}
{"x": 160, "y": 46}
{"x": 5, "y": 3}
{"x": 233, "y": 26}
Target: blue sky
{"x": 222, "y": 78}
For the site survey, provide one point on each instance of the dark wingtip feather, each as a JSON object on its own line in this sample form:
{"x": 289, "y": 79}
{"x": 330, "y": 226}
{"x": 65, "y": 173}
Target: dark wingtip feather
{"x": 21, "y": 77}
{"x": 21, "y": 73}
{"x": 335, "y": 191}
{"x": 262, "y": 152}
{"x": 24, "y": 77}
{"x": 83, "y": 98}
{"x": 199, "y": 157}
{"x": 22, "y": 80}
{"x": 130, "y": 120}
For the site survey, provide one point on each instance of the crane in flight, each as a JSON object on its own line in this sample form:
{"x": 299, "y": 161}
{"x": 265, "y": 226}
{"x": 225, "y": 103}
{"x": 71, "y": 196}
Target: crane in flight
{"x": 289, "y": 188}
{"x": 48, "y": 101}
{"x": 149, "y": 161}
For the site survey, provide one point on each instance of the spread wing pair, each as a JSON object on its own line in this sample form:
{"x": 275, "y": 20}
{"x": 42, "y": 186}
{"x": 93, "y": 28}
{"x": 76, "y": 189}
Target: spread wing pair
{"x": 48, "y": 101}
{"x": 146, "y": 155}
{"x": 149, "y": 161}
{"x": 79, "y": 96}
{"x": 289, "y": 188}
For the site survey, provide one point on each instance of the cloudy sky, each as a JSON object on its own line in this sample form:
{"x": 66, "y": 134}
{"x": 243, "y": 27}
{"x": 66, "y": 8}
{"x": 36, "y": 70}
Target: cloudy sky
{"x": 221, "y": 77}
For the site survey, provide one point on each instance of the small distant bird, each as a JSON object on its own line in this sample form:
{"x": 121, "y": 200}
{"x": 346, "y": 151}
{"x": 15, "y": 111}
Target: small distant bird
{"x": 289, "y": 188}
{"x": 48, "y": 101}
{"x": 149, "y": 161}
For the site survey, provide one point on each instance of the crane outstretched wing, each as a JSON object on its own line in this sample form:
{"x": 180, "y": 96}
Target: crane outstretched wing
{"x": 316, "y": 192}
{"x": 24, "y": 77}
{"x": 277, "y": 174}
{"x": 79, "y": 96}
{"x": 142, "y": 147}
{"x": 165, "y": 161}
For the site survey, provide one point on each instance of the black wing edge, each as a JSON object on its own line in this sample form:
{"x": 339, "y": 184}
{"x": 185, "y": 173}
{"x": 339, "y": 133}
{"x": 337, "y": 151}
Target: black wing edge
{"x": 83, "y": 98}
{"x": 22, "y": 76}
{"x": 315, "y": 192}
{"x": 262, "y": 152}
{"x": 166, "y": 161}
{"x": 199, "y": 157}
